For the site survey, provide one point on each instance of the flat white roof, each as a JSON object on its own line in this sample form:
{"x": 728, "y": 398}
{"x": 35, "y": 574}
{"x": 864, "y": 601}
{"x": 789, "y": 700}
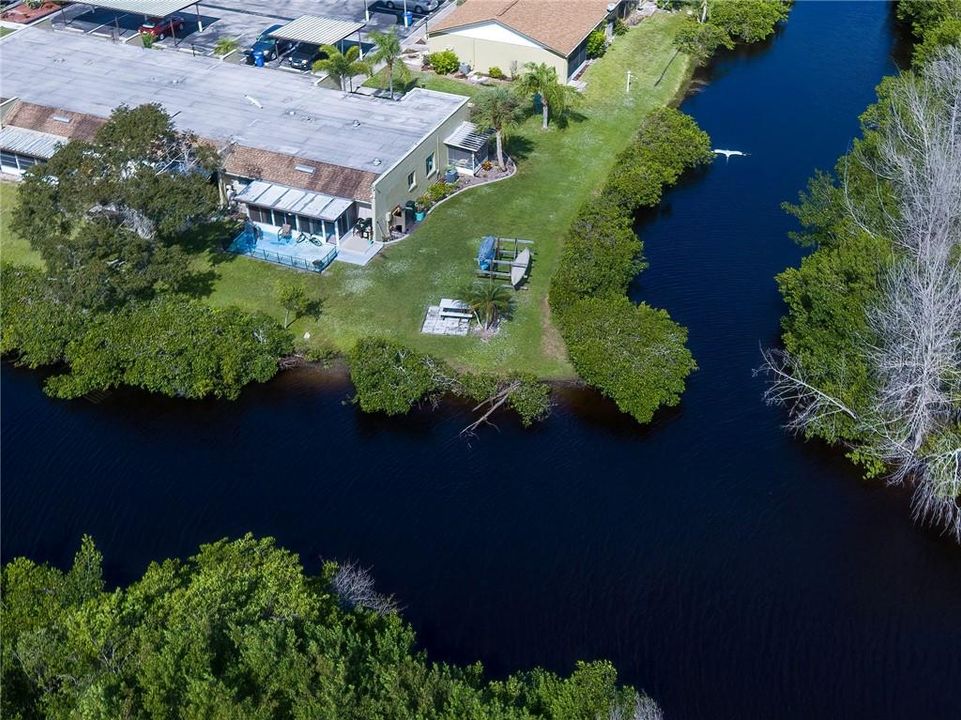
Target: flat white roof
{"x": 317, "y": 30}
{"x": 223, "y": 102}
{"x": 150, "y": 8}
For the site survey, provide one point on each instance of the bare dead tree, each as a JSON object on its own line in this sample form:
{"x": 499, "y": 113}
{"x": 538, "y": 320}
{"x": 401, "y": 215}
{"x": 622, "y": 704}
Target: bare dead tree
{"x": 490, "y": 405}
{"x": 914, "y": 419}
{"x": 354, "y": 586}
{"x": 644, "y": 708}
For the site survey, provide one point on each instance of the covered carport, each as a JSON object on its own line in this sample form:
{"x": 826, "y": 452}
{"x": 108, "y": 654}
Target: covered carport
{"x": 314, "y": 30}
{"x": 141, "y": 8}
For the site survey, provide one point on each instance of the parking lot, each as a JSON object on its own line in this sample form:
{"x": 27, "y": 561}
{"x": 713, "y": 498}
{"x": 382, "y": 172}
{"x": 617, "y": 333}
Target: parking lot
{"x": 239, "y": 20}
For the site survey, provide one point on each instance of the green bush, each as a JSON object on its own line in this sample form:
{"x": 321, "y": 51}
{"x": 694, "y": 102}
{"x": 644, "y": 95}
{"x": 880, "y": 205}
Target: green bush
{"x": 175, "y": 347}
{"x": 620, "y": 27}
{"x": 925, "y": 14}
{"x": 633, "y": 354}
{"x": 602, "y": 252}
{"x": 748, "y": 20}
{"x": 225, "y": 45}
{"x": 531, "y": 400}
{"x": 240, "y": 630}
{"x": 435, "y": 193}
{"x": 700, "y": 41}
{"x": 496, "y": 73}
{"x": 35, "y": 325}
{"x": 443, "y": 62}
{"x": 596, "y": 44}
{"x": 601, "y": 255}
{"x": 388, "y": 377}
{"x": 947, "y": 32}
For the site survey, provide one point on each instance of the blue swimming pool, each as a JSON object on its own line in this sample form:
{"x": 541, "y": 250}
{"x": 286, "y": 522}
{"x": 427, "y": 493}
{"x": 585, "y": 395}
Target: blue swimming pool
{"x": 262, "y": 242}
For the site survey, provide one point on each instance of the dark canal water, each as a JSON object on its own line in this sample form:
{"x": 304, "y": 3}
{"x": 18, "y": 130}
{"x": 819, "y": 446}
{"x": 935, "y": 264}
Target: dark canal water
{"x": 730, "y": 570}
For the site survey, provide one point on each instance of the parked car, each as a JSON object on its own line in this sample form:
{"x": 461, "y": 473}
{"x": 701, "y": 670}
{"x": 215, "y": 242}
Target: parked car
{"x": 162, "y": 27}
{"x": 270, "y": 47}
{"x": 304, "y": 56}
{"x": 420, "y": 7}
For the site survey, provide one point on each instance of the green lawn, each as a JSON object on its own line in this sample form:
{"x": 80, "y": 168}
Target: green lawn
{"x": 559, "y": 170}
{"x": 431, "y": 81}
{"x": 12, "y": 248}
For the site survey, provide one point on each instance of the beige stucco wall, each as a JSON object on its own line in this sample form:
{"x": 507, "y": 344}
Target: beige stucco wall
{"x": 482, "y": 55}
{"x": 391, "y": 189}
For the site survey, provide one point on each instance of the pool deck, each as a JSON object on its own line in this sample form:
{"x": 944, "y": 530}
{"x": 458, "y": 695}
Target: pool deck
{"x": 303, "y": 255}
{"x": 356, "y": 250}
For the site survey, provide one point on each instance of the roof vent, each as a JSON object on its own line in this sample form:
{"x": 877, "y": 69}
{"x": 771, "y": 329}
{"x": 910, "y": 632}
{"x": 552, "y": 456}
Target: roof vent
{"x": 61, "y": 118}
{"x": 377, "y": 161}
{"x": 356, "y": 123}
{"x": 304, "y": 169}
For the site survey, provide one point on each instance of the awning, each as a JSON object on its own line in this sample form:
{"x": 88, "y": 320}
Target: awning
{"x": 30, "y": 142}
{"x": 467, "y": 137}
{"x": 150, "y": 8}
{"x": 292, "y": 200}
{"x": 317, "y": 30}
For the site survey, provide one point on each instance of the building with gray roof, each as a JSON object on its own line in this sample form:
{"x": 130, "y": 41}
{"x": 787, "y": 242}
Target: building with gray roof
{"x": 383, "y": 152}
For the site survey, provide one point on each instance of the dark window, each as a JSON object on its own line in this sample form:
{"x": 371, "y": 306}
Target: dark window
{"x": 8, "y": 159}
{"x": 258, "y": 214}
{"x": 430, "y": 164}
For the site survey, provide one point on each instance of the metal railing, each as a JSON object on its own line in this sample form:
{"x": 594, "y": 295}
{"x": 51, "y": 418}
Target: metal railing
{"x": 317, "y": 265}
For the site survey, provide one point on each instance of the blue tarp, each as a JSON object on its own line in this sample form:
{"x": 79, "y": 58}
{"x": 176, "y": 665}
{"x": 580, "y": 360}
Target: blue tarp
{"x": 485, "y": 255}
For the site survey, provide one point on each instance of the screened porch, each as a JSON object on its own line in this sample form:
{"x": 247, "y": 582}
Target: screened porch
{"x": 467, "y": 147}
{"x": 322, "y": 216}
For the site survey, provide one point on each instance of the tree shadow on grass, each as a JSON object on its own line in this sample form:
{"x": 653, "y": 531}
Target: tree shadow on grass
{"x": 568, "y": 118}
{"x": 518, "y": 147}
{"x": 212, "y": 235}
{"x": 198, "y": 284}
{"x": 313, "y": 309}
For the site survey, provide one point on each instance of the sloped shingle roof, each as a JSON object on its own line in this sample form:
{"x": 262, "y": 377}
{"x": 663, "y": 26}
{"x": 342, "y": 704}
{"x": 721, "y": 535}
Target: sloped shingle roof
{"x": 559, "y": 25}
{"x": 279, "y": 168}
{"x": 70, "y": 125}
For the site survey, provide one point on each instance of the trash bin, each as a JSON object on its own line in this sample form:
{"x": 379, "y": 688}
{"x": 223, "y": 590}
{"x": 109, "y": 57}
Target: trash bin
{"x": 259, "y": 59}
{"x": 408, "y": 18}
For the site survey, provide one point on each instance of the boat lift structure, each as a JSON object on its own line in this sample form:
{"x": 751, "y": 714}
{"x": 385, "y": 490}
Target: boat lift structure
{"x": 505, "y": 259}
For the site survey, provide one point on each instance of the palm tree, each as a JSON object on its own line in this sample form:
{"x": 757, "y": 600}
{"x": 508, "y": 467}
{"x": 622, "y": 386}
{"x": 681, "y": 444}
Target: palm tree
{"x": 499, "y": 109}
{"x": 225, "y": 45}
{"x": 342, "y": 66}
{"x": 542, "y": 80}
{"x": 489, "y": 301}
{"x": 387, "y": 50}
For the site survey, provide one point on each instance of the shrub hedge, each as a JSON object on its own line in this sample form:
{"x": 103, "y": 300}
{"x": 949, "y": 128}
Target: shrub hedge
{"x": 635, "y": 355}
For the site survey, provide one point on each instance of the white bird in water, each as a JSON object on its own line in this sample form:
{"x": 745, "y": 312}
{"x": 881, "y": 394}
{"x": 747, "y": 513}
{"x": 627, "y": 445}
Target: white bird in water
{"x": 728, "y": 153}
